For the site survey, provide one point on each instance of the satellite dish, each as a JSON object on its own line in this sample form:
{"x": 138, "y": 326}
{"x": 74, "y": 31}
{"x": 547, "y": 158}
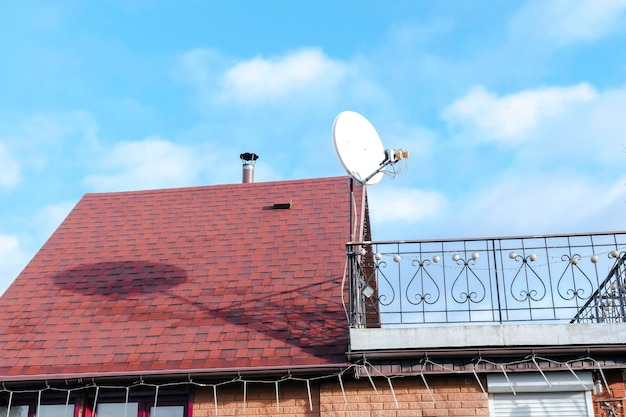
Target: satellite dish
{"x": 358, "y": 147}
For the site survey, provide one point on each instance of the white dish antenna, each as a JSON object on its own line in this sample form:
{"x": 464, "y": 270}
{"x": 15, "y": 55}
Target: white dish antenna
{"x": 360, "y": 149}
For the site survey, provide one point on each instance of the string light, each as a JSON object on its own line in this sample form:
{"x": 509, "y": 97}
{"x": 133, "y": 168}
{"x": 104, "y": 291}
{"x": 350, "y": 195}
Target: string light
{"x": 393, "y": 392}
{"x": 361, "y": 366}
{"x": 343, "y": 391}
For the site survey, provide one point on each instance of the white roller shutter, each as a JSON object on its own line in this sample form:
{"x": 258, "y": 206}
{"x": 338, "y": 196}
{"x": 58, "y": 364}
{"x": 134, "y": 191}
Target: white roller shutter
{"x": 531, "y": 395}
{"x": 542, "y": 404}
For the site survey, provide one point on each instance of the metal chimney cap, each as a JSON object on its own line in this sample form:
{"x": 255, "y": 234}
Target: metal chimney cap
{"x": 248, "y": 159}
{"x": 249, "y": 156}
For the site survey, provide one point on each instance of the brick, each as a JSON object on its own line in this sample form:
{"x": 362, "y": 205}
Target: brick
{"x": 370, "y": 406}
{"x": 462, "y": 412}
{"x": 475, "y": 404}
{"x": 384, "y": 413}
{"x": 411, "y": 413}
{"x": 434, "y": 412}
{"x": 448, "y": 404}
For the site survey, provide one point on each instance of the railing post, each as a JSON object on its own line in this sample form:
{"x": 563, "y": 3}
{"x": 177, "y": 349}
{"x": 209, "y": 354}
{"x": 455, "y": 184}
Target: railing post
{"x": 619, "y": 281}
{"x": 496, "y": 265}
{"x": 351, "y": 287}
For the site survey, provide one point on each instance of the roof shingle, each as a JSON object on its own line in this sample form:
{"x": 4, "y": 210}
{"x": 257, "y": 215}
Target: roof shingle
{"x": 182, "y": 280}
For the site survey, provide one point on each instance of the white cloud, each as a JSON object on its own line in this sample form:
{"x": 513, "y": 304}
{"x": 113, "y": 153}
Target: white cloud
{"x": 306, "y": 76}
{"x": 199, "y": 66}
{"x": 10, "y": 170}
{"x": 567, "y": 21}
{"x": 511, "y": 118}
{"x": 400, "y": 207}
{"x": 52, "y": 128}
{"x": 17, "y": 248}
{"x": 149, "y": 163}
{"x": 522, "y": 204}
{"x": 568, "y": 176}
{"x": 543, "y": 203}
{"x": 306, "y": 71}
{"x": 44, "y": 142}
{"x": 12, "y": 260}
{"x": 587, "y": 137}
{"x": 49, "y": 217}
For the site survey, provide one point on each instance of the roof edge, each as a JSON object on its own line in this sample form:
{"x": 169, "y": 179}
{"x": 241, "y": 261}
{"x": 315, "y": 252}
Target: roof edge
{"x": 212, "y": 373}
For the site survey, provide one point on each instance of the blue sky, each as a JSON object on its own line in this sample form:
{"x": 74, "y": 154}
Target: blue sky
{"x": 513, "y": 111}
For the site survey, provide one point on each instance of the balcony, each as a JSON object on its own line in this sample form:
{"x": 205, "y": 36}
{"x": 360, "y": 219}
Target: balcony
{"x": 503, "y": 291}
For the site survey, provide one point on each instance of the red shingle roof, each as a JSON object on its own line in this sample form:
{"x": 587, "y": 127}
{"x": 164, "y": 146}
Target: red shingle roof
{"x": 202, "y": 278}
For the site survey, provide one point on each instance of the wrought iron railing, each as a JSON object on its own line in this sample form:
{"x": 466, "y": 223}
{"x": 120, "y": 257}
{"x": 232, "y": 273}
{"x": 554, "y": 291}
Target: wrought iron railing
{"x": 552, "y": 278}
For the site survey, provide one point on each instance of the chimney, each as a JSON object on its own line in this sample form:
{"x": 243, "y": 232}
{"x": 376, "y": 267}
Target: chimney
{"x": 248, "y": 159}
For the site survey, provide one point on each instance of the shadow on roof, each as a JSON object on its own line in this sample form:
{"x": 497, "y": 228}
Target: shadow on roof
{"x": 161, "y": 296}
{"x": 120, "y": 279}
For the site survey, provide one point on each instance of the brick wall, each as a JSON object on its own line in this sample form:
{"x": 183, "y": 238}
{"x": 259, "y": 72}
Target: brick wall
{"x": 451, "y": 396}
{"x": 260, "y": 400}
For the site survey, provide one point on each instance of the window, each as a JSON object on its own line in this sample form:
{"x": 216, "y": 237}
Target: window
{"x": 168, "y": 411}
{"x": 117, "y": 410}
{"x": 16, "y": 411}
{"x": 110, "y": 402}
{"x": 28, "y": 404}
{"x": 140, "y": 403}
{"x": 137, "y": 409}
{"x": 55, "y": 410}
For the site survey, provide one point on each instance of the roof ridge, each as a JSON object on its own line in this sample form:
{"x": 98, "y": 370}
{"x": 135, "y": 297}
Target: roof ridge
{"x": 199, "y": 187}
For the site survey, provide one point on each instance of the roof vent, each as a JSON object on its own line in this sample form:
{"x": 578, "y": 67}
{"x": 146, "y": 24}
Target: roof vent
{"x": 248, "y": 159}
{"x": 282, "y": 206}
